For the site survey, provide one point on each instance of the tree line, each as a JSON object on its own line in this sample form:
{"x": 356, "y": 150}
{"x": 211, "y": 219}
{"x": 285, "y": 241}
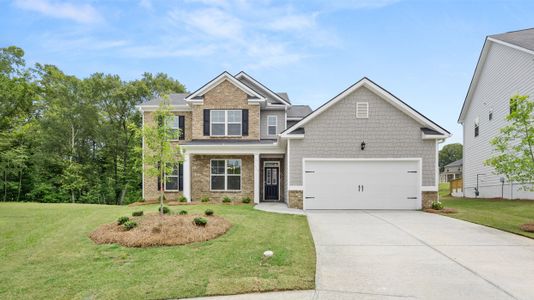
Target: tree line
{"x": 70, "y": 139}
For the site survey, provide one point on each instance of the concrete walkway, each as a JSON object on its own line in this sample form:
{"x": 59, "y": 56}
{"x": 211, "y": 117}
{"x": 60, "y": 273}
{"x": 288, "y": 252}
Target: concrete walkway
{"x": 414, "y": 255}
{"x": 278, "y": 207}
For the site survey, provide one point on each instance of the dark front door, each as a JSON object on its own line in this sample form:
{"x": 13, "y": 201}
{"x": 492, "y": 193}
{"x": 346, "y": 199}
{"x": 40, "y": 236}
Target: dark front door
{"x": 271, "y": 182}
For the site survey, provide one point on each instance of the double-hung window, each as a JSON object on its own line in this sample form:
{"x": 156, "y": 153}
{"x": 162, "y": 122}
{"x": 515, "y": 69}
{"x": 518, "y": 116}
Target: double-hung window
{"x": 172, "y": 179}
{"x": 173, "y": 122}
{"x": 271, "y": 125}
{"x": 477, "y": 128}
{"x": 225, "y": 174}
{"x": 226, "y": 122}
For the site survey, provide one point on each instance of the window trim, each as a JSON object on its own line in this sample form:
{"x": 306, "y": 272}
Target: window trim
{"x": 226, "y": 122}
{"x": 177, "y": 180}
{"x": 362, "y": 114}
{"x": 177, "y": 128}
{"x": 275, "y": 117}
{"x": 226, "y": 174}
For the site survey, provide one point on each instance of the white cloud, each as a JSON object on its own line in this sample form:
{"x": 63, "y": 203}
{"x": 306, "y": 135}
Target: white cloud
{"x": 159, "y": 52}
{"x": 146, "y": 4}
{"x": 213, "y": 22}
{"x": 293, "y": 22}
{"x": 81, "y": 13}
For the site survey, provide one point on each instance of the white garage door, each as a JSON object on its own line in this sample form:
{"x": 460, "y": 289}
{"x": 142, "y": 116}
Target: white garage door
{"x": 362, "y": 184}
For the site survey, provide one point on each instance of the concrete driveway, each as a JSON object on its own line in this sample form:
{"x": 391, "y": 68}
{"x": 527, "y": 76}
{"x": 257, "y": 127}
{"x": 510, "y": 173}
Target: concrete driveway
{"x": 412, "y": 254}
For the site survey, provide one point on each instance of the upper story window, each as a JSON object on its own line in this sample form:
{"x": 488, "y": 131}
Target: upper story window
{"x": 272, "y": 124}
{"x": 226, "y": 122}
{"x": 176, "y": 125}
{"x": 490, "y": 115}
{"x": 362, "y": 110}
{"x": 476, "y": 127}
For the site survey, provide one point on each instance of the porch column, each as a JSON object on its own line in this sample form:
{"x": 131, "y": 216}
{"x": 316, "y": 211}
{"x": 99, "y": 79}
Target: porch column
{"x": 256, "y": 178}
{"x": 187, "y": 176}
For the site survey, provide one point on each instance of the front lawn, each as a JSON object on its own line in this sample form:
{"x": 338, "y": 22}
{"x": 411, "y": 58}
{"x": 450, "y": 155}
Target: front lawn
{"x": 505, "y": 215}
{"x": 45, "y": 253}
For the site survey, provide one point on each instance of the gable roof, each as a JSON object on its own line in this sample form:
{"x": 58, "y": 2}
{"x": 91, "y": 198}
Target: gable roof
{"x": 381, "y": 92}
{"x": 457, "y": 163}
{"x": 266, "y": 90}
{"x": 522, "y": 40}
{"x": 196, "y": 95}
{"x": 298, "y": 111}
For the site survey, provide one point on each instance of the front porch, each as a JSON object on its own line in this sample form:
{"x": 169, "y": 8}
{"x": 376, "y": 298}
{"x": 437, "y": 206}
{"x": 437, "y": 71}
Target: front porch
{"x": 237, "y": 174}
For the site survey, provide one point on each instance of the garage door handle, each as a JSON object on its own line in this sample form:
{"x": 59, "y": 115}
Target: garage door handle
{"x": 309, "y": 197}
{"x": 412, "y": 198}
{"x": 359, "y": 188}
{"x": 412, "y": 172}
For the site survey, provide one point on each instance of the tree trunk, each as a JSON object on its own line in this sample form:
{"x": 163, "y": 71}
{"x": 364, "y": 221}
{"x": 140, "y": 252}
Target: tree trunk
{"x": 5, "y": 185}
{"x": 72, "y": 196}
{"x": 162, "y": 192}
{"x": 20, "y": 185}
{"x": 123, "y": 194}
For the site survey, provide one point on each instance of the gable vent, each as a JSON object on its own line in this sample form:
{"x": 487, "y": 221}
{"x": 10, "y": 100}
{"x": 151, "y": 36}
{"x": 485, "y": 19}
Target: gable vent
{"x": 362, "y": 110}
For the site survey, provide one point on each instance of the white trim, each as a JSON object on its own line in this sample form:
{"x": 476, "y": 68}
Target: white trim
{"x": 381, "y": 93}
{"x": 257, "y": 178}
{"x": 275, "y": 125}
{"x": 155, "y": 107}
{"x": 187, "y": 175}
{"x": 217, "y": 80}
{"x": 429, "y": 189}
{"x": 226, "y": 175}
{"x": 296, "y": 188}
{"x": 143, "y": 155}
{"x": 165, "y": 182}
{"x": 293, "y": 118}
{"x": 425, "y": 136}
{"x": 436, "y": 165}
{"x": 417, "y": 159}
{"x": 226, "y": 122}
{"x": 362, "y": 110}
{"x": 288, "y": 174}
{"x": 263, "y": 87}
{"x": 294, "y": 136}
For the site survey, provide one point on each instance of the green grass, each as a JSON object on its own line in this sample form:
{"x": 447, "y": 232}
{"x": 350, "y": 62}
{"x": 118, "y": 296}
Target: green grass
{"x": 444, "y": 189}
{"x": 505, "y": 215}
{"x": 45, "y": 253}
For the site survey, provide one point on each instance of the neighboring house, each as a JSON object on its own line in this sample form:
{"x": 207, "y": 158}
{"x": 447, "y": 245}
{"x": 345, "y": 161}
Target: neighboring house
{"x": 451, "y": 171}
{"x": 505, "y": 68}
{"x": 365, "y": 148}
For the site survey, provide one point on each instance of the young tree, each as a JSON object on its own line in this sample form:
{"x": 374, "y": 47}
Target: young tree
{"x": 160, "y": 155}
{"x": 514, "y": 146}
{"x": 450, "y": 153}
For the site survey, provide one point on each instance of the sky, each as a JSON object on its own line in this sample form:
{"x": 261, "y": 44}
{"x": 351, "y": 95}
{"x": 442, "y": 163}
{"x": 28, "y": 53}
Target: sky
{"x": 424, "y": 52}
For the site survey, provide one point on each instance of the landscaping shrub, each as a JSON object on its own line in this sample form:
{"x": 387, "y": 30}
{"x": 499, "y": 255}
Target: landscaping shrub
{"x": 208, "y": 212}
{"x": 226, "y": 199}
{"x": 122, "y": 220}
{"x": 246, "y": 200}
{"x": 182, "y": 199}
{"x": 205, "y": 199}
{"x": 200, "y": 221}
{"x": 183, "y": 212}
{"x": 137, "y": 213}
{"x": 437, "y": 205}
{"x": 164, "y": 209}
{"x": 130, "y": 225}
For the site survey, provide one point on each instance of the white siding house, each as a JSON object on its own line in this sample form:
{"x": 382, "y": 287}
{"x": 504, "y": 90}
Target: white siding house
{"x": 505, "y": 68}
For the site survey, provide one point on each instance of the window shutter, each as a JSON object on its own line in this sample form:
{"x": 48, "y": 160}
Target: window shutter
{"x": 244, "y": 121}
{"x": 180, "y": 177}
{"x": 159, "y": 179}
{"x": 181, "y": 126}
{"x": 206, "y": 122}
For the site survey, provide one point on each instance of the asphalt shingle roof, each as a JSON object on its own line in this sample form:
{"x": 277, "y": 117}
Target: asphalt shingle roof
{"x": 457, "y": 163}
{"x": 522, "y": 38}
{"x": 174, "y": 99}
{"x": 298, "y": 111}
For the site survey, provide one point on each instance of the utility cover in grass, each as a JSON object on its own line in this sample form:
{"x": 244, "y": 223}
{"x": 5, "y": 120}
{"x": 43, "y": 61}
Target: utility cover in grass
{"x": 155, "y": 230}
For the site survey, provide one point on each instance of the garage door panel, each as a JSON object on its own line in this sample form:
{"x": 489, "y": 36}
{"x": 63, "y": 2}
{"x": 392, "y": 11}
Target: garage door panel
{"x": 367, "y": 184}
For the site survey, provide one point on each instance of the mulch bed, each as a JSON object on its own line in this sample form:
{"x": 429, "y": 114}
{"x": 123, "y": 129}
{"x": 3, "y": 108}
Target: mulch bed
{"x": 155, "y": 230}
{"x": 446, "y": 210}
{"x": 528, "y": 227}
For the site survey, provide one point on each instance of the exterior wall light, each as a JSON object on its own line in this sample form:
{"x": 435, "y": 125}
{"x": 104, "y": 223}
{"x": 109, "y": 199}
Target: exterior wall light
{"x": 362, "y": 146}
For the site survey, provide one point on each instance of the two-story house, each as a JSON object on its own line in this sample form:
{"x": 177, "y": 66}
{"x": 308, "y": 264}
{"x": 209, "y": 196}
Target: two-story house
{"x": 364, "y": 148}
{"x": 505, "y": 68}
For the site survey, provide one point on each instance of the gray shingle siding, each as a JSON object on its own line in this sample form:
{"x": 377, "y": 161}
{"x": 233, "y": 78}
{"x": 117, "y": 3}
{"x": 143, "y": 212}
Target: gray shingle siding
{"x": 388, "y": 133}
{"x": 280, "y": 118}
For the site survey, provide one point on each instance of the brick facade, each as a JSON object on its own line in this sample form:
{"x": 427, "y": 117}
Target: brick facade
{"x": 201, "y": 181}
{"x": 226, "y": 96}
{"x": 295, "y": 199}
{"x": 428, "y": 198}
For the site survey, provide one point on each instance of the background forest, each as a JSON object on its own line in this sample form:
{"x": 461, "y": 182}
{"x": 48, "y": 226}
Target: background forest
{"x": 67, "y": 139}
